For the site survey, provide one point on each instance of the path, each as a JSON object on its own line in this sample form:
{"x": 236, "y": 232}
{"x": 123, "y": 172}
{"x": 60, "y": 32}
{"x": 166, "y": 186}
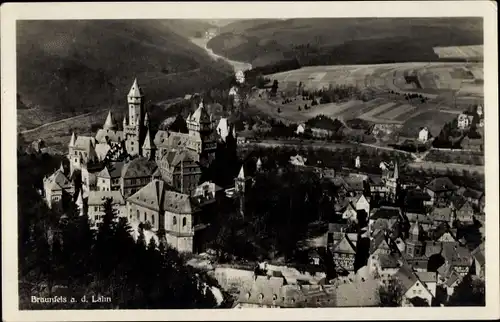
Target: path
{"x": 58, "y": 121}
{"x": 237, "y": 65}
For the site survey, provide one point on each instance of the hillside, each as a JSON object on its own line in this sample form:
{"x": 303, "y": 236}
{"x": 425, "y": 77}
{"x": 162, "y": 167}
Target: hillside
{"x": 72, "y": 67}
{"x": 329, "y": 41}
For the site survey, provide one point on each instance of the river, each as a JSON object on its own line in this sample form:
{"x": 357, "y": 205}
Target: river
{"x": 237, "y": 65}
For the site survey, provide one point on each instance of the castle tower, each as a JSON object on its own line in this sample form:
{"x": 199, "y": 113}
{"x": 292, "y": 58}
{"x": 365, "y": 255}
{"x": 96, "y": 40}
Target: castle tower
{"x": 133, "y": 129}
{"x": 239, "y": 189}
{"x": 200, "y": 125}
{"x": 148, "y": 148}
{"x": 146, "y": 120}
{"x": 109, "y": 124}
{"x": 79, "y": 203}
{"x": 392, "y": 183}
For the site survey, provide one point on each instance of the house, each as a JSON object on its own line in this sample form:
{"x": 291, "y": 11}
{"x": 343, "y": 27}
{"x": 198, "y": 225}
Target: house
{"x": 349, "y": 213}
{"x": 178, "y": 214}
{"x": 458, "y": 258}
{"x": 207, "y": 192}
{"x": 465, "y": 214}
{"x": 384, "y": 266}
{"x": 363, "y": 293}
{"x": 384, "y": 218}
{"x": 108, "y": 179}
{"x": 412, "y": 288}
{"x": 464, "y": 121}
{"x": 298, "y": 160}
{"x": 441, "y": 215}
{"x": 429, "y": 279}
{"x": 424, "y": 221}
{"x": 378, "y": 189}
{"x": 475, "y": 197}
{"x": 440, "y": 190}
{"x": 361, "y": 203}
{"x": 56, "y": 185}
{"x": 180, "y": 169}
{"x": 335, "y": 232}
{"x": 423, "y": 135}
{"x": 96, "y": 201}
{"x": 344, "y": 253}
{"x": 136, "y": 174}
{"x": 478, "y": 256}
{"x": 416, "y": 199}
{"x": 301, "y": 128}
{"x": 444, "y": 234}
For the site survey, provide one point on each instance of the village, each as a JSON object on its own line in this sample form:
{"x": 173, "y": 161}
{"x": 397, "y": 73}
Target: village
{"x": 383, "y": 232}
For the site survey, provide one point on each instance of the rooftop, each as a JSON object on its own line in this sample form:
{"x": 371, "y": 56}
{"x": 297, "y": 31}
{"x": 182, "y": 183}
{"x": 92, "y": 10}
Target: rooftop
{"x": 441, "y": 184}
{"x": 100, "y": 197}
{"x": 385, "y": 213}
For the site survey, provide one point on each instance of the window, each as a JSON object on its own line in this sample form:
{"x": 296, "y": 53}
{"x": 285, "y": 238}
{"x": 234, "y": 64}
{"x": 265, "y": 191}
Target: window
{"x": 153, "y": 219}
{"x": 184, "y": 221}
{"x": 174, "y": 221}
{"x": 138, "y": 218}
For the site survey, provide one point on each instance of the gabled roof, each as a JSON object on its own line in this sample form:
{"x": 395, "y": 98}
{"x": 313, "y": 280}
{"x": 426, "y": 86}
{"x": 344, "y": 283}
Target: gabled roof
{"x": 406, "y": 277}
{"x": 452, "y": 279}
{"x": 474, "y": 194}
{"x": 200, "y": 115}
{"x": 345, "y": 246}
{"x": 388, "y": 261}
{"x": 58, "y": 181}
{"x": 456, "y": 254}
{"x": 441, "y": 184}
{"x": 157, "y": 196}
{"x": 137, "y": 168}
{"x": 379, "y": 240}
{"x": 104, "y": 173}
{"x": 427, "y": 277}
{"x": 385, "y": 213}
{"x": 99, "y": 197}
{"x": 441, "y": 214}
{"x": 479, "y": 254}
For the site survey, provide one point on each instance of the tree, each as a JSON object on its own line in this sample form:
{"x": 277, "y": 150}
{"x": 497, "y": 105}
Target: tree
{"x": 390, "y": 295}
{"x": 274, "y": 87}
{"x": 179, "y": 125}
{"x": 470, "y": 292}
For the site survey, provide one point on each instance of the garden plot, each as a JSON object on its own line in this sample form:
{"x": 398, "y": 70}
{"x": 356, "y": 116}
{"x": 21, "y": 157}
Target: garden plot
{"x": 393, "y": 113}
{"x": 369, "y": 116}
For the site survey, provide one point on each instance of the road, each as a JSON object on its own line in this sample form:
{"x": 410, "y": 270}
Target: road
{"x": 237, "y": 65}
{"x": 59, "y": 121}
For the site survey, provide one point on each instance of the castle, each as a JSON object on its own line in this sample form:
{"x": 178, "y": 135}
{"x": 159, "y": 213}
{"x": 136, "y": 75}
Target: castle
{"x": 151, "y": 178}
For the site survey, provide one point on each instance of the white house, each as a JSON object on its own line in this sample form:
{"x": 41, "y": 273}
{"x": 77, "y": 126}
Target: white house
{"x": 357, "y": 162}
{"x": 301, "y": 128}
{"x": 464, "y": 121}
{"x": 240, "y": 77}
{"x": 423, "y": 135}
{"x": 96, "y": 202}
{"x": 413, "y": 288}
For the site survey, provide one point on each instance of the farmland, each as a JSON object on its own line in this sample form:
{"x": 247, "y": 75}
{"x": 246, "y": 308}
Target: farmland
{"x": 440, "y": 83}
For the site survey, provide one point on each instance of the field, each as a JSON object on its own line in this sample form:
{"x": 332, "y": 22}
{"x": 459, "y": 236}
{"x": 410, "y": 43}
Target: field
{"x": 436, "y": 81}
{"x": 460, "y": 51}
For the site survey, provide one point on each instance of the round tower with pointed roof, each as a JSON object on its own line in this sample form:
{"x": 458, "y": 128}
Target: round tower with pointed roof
{"x": 109, "y": 124}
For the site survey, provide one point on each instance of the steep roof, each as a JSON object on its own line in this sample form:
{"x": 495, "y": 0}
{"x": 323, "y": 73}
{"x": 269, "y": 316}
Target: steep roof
{"x": 406, "y": 277}
{"x": 148, "y": 143}
{"x": 388, "y": 261}
{"x": 345, "y": 246}
{"x": 137, "y": 168}
{"x": 474, "y": 194}
{"x": 479, "y": 254}
{"x": 58, "y": 181}
{"x": 110, "y": 134}
{"x": 223, "y": 128}
{"x": 358, "y": 294}
{"x": 84, "y": 143}
{"x": 73, "y": 139}
{"x": 200, "y": 115}
{"x": 385, "y": 213}
{"x": 427, "y": 277}
{"x": 456, "y": 254}
{"x": 441, "y": 184}
{"x": 109, "y": 124}
{"x": 441, "y": 214}
{"x": 157, "y": 196}
{"x": 135, "y": 90}
{"x": 99, "y": 197}
{"x": 104, "y": 173}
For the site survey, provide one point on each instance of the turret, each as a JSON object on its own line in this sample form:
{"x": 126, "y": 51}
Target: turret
{"x": 146, "y": 119}
{"x": 258, "y": 165}
{"x": 135, "y": 100}
{"x": 124, "y": 121}
{"x": 148, "y": 148}
{"x": 109, "y": 124}
{"x": 72, "y": 141}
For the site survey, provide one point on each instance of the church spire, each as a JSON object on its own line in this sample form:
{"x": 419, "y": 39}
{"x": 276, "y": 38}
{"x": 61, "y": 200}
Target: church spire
{"x": 109, "y": 124}
{"x": 146, "y": 120}
{"x": 124, "y": 121}
{"x": 72, "y": 141}
{"x": 396, "y": 170}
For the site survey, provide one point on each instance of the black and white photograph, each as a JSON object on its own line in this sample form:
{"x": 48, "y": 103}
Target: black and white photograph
{"x": 226, "y": 163}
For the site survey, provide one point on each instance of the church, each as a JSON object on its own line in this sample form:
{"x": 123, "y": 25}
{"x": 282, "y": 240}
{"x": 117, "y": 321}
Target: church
{"x": 155, "y": 174}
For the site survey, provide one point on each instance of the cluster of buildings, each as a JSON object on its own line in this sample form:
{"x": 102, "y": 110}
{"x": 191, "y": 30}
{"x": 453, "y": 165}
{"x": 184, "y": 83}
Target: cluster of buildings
{"x": 152, "y": 179}
{"x": 382, "y": 232}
